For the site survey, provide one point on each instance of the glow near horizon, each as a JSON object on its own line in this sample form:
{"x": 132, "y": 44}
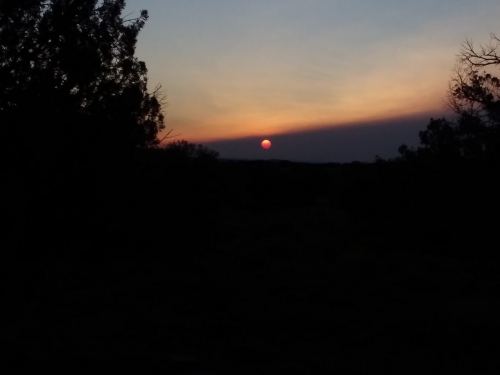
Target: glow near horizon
{"x": 235, "y": 68}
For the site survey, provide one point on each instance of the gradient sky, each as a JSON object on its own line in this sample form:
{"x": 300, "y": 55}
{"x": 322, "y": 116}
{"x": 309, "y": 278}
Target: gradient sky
{"x": 236, "y": 70}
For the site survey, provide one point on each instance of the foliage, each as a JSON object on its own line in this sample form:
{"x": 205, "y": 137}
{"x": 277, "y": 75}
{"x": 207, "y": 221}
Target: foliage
{"x": 474, "y": 92}
{"x": 444, "y": 139}
{"x": 184, "y": 150}
{"x": 174, "y": 160}
{"x": 190, "y": 150}
{"x": 70, "y": 86}
{"x": 474, "y": 97}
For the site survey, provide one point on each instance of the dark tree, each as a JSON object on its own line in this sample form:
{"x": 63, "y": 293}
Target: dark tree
{"x": 474, "y": 97}
{"x": 184, "y": 149}
{"x": 72, "y": 93}
{"x": 446, "y": 140}
{"x": 474, "y": 90}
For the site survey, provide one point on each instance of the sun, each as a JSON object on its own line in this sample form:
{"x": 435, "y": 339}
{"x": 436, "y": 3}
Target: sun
{"x": 266, "y": 143}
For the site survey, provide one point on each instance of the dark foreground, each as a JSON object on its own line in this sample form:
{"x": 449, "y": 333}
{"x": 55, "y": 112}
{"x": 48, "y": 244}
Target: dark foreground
{"x": 258, "y": 268}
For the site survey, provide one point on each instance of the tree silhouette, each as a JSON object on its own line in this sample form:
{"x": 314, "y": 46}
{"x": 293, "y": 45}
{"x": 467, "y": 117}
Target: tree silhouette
{"x": 474, "y": 97}
{"x": 447, "y": 140}
{"x": 184, "y": 149}
{"x": 472, "y": 92}
{"x": 71, "y": 90}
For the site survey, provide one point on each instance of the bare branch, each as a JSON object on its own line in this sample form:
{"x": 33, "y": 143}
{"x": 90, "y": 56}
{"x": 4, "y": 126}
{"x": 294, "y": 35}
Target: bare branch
{"x": 488, "y": 54}
{"x": 168, "y": 136}
{"x": 123, "y": 18}
{"x": 471, "y": 92}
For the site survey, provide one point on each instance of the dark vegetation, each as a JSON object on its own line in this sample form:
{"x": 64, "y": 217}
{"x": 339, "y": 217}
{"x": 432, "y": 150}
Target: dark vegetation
{"x": 123, "y": 255}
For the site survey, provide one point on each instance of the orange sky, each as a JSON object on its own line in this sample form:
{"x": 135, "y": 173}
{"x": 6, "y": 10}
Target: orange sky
{"x": 232, "y": 69}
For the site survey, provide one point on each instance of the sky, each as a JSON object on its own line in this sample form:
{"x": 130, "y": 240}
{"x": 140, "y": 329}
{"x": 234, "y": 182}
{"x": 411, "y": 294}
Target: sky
{"x": 324, "y": 80}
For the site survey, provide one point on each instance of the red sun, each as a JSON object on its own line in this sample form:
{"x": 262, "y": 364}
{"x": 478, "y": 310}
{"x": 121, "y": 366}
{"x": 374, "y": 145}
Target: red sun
{"x": 266, "y": 144}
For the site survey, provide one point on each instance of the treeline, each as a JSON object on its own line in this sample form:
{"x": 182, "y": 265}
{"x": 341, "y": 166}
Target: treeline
{"x": 74, "y": 98}
{"x": 79, "y": 129}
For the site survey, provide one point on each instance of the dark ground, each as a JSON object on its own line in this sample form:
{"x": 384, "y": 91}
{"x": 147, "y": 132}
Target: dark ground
{"x": 258, "y": 268}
